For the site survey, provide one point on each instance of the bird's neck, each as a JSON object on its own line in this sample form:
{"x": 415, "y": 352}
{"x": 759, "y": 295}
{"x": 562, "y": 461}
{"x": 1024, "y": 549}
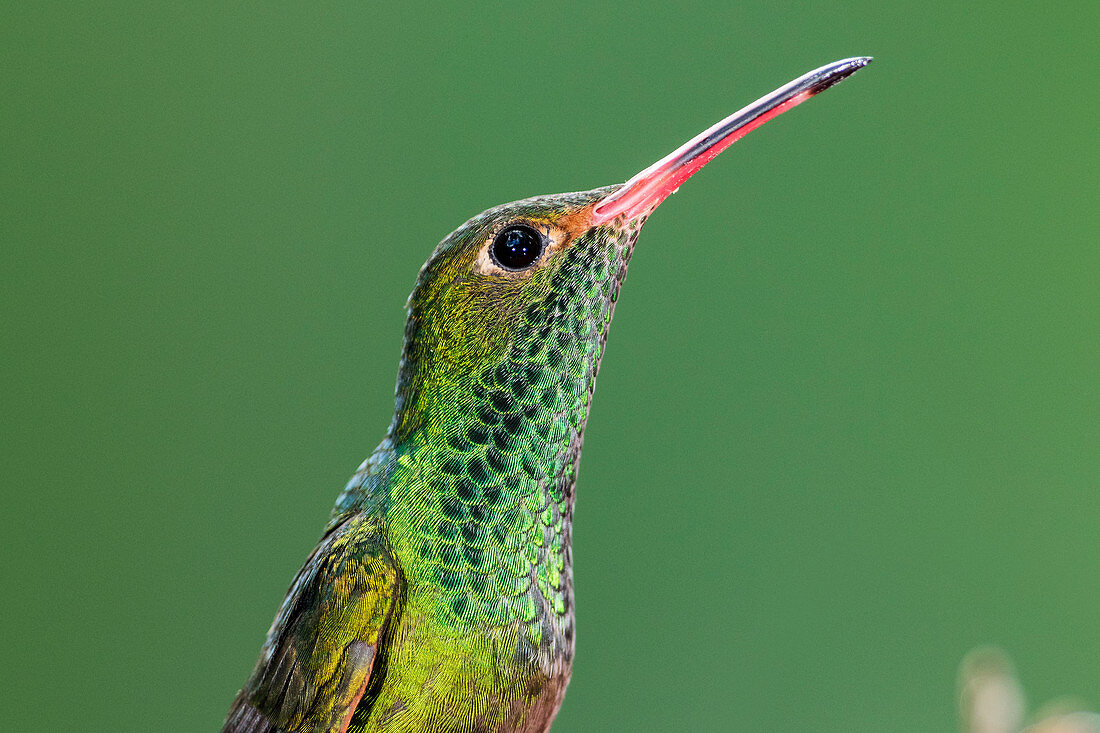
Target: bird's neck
{"x": 508, "y": 437}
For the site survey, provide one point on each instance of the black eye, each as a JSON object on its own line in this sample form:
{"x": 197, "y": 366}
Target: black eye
{"x": 517, "y": 247}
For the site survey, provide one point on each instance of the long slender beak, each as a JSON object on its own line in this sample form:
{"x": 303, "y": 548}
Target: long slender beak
{"x": 642, "y": 193}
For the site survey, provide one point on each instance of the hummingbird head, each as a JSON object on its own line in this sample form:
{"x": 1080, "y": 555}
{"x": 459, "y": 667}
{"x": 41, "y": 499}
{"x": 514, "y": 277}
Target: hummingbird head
{"x": 509, "y": 316}
{"x": 519, "y": 297}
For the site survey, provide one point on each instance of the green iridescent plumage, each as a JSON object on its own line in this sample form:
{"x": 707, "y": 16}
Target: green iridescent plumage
{"x": 440, "y": 598}
{"x": 468, "y": 501}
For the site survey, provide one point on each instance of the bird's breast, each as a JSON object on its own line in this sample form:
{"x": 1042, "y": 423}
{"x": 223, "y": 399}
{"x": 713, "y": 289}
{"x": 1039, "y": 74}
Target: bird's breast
{"x": 444, "y": 672}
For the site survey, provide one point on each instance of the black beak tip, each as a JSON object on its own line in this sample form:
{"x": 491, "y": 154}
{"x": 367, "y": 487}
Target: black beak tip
{"x": 836, "y": 72}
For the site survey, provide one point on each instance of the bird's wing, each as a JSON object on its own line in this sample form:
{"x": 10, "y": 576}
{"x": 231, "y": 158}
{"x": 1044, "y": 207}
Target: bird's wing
{"x": 320, "y": 650}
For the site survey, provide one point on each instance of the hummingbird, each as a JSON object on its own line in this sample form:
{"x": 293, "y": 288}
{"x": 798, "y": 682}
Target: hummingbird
{"x": 439, "y": 598}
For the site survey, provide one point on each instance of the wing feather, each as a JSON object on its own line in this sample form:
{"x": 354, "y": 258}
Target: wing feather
{"x": 321, "y": 648}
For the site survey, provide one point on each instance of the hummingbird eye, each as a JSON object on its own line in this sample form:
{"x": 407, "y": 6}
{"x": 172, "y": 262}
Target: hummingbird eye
{"x": 516, "y": 247}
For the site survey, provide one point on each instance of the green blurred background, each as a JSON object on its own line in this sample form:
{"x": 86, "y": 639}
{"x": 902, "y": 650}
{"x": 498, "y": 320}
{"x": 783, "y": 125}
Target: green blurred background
{"x": 846, "y": 429}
